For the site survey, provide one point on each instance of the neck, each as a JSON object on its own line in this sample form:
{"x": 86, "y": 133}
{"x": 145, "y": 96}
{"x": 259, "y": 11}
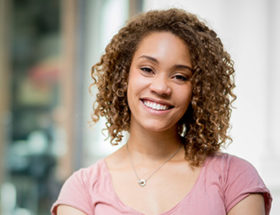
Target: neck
{"x": 153, "y": 145}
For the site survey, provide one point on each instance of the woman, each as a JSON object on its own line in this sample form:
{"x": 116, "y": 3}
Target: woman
{"x": 167, "y": 80}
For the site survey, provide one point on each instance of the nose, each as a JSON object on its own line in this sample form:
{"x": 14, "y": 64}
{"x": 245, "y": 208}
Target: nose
{"x": 160, "y": 86}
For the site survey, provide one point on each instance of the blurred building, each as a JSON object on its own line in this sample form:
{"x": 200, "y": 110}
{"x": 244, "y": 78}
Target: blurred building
{"x": 47, "y": 50}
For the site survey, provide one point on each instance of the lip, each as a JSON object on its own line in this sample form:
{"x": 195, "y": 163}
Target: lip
{"x": 158, "y": 101}
{"x": 153, "y": 111}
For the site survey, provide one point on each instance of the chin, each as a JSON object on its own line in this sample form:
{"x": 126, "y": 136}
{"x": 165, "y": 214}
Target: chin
{"x": 156, "y": 127}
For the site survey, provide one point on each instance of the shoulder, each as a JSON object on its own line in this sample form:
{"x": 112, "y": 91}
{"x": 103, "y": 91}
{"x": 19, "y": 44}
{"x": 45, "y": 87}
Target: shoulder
{"x": 229, "y": 163}
{"x": 237, "y": 179}
{"x": 231, "y": 169}
{"x": 90, "y": 173}
{"x": 80, "y": 188}
{"x": 225, "y": 158}
{"x": 85, "y": 177}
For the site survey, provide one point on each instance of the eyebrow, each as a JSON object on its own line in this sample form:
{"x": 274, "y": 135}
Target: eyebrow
{"x": 177, "y": 66}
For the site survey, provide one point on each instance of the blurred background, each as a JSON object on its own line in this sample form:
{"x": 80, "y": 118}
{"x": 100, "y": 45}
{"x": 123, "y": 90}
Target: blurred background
{"x": 46, "y": 51}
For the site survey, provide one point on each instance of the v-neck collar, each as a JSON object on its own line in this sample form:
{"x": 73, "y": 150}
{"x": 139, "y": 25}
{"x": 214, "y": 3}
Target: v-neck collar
{"x": 168, "y": 212}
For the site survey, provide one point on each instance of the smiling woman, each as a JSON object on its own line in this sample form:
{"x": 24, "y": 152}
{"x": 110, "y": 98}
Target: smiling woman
{"x": 167, "y": 80}
{"x": 159, "y": 87}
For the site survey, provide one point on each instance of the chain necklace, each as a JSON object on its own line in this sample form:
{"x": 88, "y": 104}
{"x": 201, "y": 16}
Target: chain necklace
{"x": 141, "y": 181}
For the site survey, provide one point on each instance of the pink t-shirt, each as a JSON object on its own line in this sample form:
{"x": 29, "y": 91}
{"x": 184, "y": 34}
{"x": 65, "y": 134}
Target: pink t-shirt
{"x": 224, "y": 180}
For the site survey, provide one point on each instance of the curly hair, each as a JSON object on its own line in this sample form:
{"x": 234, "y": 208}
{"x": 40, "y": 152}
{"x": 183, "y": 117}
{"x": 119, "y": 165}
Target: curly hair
{"x": 203, "y": 128}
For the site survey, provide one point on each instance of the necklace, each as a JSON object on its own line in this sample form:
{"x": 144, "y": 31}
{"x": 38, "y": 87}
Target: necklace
{"x": 141, "y": 181}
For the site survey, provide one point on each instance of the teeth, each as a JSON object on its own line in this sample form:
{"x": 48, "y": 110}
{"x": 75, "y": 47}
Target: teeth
{"x": 155, "y": 106}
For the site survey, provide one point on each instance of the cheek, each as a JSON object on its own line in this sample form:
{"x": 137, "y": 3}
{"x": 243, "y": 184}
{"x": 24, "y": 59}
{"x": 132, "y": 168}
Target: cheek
{"x": 128, "y": 94}
{"x": 185, "y": 104}
{"x": 136, "y": 82}
{"x": 186, "y": 99}
{"x": 132, "y": 86}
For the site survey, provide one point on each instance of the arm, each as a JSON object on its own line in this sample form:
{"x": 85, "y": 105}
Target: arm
{"x": 68, "y": 210}
{"x": 251, "y": 205}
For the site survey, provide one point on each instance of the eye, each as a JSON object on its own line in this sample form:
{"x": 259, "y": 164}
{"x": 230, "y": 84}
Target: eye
{"x": 146, "y": 69}
{"x": 181, "y": 78}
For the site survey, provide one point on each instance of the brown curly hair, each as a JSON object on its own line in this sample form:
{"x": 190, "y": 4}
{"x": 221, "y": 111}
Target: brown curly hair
{"x": 204, "y": 126}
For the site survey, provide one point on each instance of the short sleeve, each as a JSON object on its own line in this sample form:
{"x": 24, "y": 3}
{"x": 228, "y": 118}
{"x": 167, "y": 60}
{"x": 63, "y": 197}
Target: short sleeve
{"x": 241, "y": 180}
{"x": 75, "y": 193}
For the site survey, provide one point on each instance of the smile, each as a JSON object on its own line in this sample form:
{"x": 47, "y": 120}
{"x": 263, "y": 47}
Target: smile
{"x": 156, "y": 106}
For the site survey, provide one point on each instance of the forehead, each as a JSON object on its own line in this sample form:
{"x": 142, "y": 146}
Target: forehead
{"x": 165, "y": 46}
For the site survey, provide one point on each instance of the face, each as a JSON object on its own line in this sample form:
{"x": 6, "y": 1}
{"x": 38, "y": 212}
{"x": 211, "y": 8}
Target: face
{"x": 159, "y": 88}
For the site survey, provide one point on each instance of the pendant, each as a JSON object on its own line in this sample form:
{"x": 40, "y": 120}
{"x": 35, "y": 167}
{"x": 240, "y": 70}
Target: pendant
{"x": 142, "y": 182}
